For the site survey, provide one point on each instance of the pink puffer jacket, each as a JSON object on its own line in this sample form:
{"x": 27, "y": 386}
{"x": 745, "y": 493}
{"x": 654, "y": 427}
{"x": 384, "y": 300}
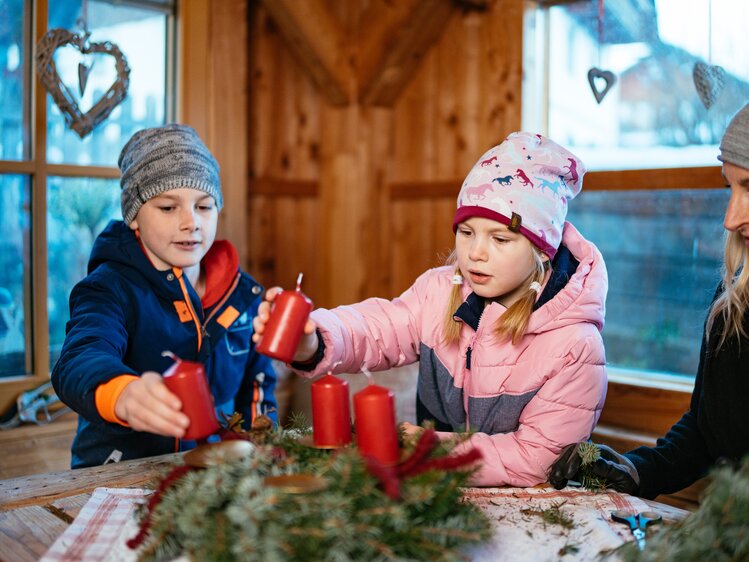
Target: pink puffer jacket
{"x": 524, "y": 402}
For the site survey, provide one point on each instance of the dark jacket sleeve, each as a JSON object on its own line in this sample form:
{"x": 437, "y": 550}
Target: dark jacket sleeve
{"x": 258, "y": 386}
{"x": 680, "y": 457}
{"x": 257, "y": 389}
{"x": 95, "y": 343}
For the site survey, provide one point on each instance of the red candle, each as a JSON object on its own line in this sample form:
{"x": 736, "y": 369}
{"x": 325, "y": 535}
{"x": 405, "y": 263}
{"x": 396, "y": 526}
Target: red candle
{"x": 374, "y": 419}
{"x": 187, "y": 380}
{"x": 286, "y": 324}
{"x": 331, "y": 417}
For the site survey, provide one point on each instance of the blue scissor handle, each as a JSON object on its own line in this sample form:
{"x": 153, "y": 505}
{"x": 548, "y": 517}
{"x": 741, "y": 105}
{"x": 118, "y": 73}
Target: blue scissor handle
{"x": 637, "y": 523}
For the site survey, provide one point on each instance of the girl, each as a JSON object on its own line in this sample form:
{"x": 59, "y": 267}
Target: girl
{"x": 507, "y": 334}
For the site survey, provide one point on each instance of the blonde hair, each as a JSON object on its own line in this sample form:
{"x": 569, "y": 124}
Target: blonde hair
{"x": 512, "y": 324}
{"x": 733, "y": 301}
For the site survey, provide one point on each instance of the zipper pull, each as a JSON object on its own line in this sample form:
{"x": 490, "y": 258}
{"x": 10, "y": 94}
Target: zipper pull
{"x": 468, "y": 358}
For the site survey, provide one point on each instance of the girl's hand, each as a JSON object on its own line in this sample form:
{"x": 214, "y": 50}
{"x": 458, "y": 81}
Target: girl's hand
{"x": 147, "y": 404}
{"x": 410, "y": 429}
{"x": 309, "y": 342}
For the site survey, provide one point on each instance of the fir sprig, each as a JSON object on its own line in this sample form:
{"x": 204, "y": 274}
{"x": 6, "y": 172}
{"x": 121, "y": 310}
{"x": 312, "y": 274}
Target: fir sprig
{"x": 226, "y": 512}
{"x": 552, "y": 516}
{"x": 589, "y": 453}
{"x": 718, "y": 530}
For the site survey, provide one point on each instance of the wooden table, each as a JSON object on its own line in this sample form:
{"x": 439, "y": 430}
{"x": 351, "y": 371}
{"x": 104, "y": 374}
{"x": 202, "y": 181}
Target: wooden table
{"x": 35, "y": 510}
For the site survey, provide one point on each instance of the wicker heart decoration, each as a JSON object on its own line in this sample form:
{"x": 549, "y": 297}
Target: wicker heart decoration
{"x": 607, "y": 76}
{"x": 81, "y": 123}
{"x": 709, "y": 81}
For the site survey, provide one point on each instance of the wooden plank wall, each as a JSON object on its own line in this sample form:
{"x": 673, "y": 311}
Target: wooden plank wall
{"x": 359, "y": 194}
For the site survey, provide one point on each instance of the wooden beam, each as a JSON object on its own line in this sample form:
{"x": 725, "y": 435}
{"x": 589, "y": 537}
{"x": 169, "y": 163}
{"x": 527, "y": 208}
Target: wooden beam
{"x": 229, "y": 130}
{"x": 425, "y": 189}
{"x": 705, "y": 177}
{"x": 394, "y": 38}
{"x": 71, "y": 171}
{"x": 193, "y": 66}
{"x": 316, "y": 38}
{"x": 666, "y": 178}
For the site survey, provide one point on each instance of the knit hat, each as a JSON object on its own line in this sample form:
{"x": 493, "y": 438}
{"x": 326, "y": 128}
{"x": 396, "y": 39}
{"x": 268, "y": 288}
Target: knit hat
{"x": 162, "y": 158}
{"x": 734, "y": 148}
{"x": 524, "y": 183}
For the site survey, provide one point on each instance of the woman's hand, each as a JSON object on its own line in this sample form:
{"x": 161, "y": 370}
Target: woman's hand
{"x": 146, "y": 404}
{"x": 309, "y": 342}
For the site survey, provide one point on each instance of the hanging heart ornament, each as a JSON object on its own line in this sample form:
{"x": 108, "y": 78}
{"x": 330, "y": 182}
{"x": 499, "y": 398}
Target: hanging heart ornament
{"x": 608, "y": 78}
{"x": 81, "y": 123}
{"x": 709, "y": 80}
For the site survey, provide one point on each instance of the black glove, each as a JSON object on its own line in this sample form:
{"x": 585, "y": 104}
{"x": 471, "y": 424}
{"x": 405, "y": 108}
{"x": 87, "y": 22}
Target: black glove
{"x": 617, "y": 470}
{"x": 565, "y": 467}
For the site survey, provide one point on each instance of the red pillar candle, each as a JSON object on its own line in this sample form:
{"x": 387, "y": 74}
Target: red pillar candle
{"x": 374, "y": 419}
{"x": 331, "y": 417}
{"x": 285, "y": 326}
{"x": 187, "y": 380}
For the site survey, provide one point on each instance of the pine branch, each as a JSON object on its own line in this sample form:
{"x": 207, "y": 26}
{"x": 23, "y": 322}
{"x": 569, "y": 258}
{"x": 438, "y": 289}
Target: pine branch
{"x": 227, "y": 513}
{"x": 718, "y": 530}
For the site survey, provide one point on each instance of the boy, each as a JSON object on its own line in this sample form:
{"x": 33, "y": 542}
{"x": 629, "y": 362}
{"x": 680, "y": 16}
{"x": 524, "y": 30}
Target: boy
{"x": 156, "y": 282}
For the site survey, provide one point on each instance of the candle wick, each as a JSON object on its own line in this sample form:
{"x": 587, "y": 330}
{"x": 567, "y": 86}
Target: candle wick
{"x": 299, "y": 281}
{"x": 370, "y": 379}
{"x": 169, "y": 354}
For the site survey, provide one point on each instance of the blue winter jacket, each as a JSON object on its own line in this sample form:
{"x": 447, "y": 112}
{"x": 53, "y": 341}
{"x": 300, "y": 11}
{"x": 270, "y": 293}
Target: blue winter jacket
{"x": 125, "y": 313}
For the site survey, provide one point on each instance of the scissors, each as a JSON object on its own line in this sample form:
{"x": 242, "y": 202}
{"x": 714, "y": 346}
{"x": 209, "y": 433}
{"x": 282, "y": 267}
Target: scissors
{"x": 637, "y": 522}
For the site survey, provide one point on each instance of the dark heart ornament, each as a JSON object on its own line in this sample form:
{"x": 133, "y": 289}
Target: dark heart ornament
{"x": 81, "y": 123}
{"x": 709, "y": 81}
{"x": 594, "y": 76}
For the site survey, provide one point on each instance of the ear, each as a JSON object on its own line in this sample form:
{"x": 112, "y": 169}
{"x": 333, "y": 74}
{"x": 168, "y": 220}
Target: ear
{"x": 134, "y": 225}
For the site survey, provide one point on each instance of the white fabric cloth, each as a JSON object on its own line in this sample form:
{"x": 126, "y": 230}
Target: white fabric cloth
{"x": 99, "y": 527}
{"x": 520, "y": 537}
{"x": 107, "y": 522}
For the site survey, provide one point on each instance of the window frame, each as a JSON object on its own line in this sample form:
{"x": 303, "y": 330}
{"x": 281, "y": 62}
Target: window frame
{"x": 638, "y": 408}
{"x": 34, "y": 165}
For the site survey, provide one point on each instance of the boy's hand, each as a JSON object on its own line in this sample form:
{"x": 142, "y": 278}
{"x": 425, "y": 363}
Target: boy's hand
{"x": 148, "y": 405}
{"x": 309, "y": 342}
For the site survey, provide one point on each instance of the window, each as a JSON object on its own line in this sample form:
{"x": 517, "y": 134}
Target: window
{"x": 58, "y": 191}
{"x": 651, "y": 145}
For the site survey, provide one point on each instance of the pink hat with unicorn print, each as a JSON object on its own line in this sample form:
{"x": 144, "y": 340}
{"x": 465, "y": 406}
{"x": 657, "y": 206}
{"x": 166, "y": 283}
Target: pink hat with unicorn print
{"x": 525, "y": 183}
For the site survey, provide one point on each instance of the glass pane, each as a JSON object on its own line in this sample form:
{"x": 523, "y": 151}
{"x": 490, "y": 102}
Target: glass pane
{"x": 145, "y": 104}
{"x": 14, "y": 94}
{"x": 15, "y": 357}
{"x": 652, "y": 117}
{"x": 78, "y": 209}
{"x": 663, "y": 251}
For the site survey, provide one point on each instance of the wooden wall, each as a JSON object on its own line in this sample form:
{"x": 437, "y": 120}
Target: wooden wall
{"x": 364, "y": 117}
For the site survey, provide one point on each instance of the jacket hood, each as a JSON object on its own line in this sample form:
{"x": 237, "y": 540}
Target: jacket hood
{"x": 583, "y": 298}
{"x": 118, "y": 243}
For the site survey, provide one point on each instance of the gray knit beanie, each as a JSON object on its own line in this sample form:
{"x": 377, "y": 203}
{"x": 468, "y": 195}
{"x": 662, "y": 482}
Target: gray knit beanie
{"x": 162, "y": 158}
{"x": 734, "y": 148}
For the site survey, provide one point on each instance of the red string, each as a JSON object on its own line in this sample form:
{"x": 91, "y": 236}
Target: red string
{"x": 155, "y": 499}
{"x": 391, "y": 477}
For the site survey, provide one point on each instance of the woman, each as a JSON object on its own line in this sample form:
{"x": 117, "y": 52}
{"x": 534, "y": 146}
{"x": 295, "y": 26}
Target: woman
{"x": 716, "y": 427}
